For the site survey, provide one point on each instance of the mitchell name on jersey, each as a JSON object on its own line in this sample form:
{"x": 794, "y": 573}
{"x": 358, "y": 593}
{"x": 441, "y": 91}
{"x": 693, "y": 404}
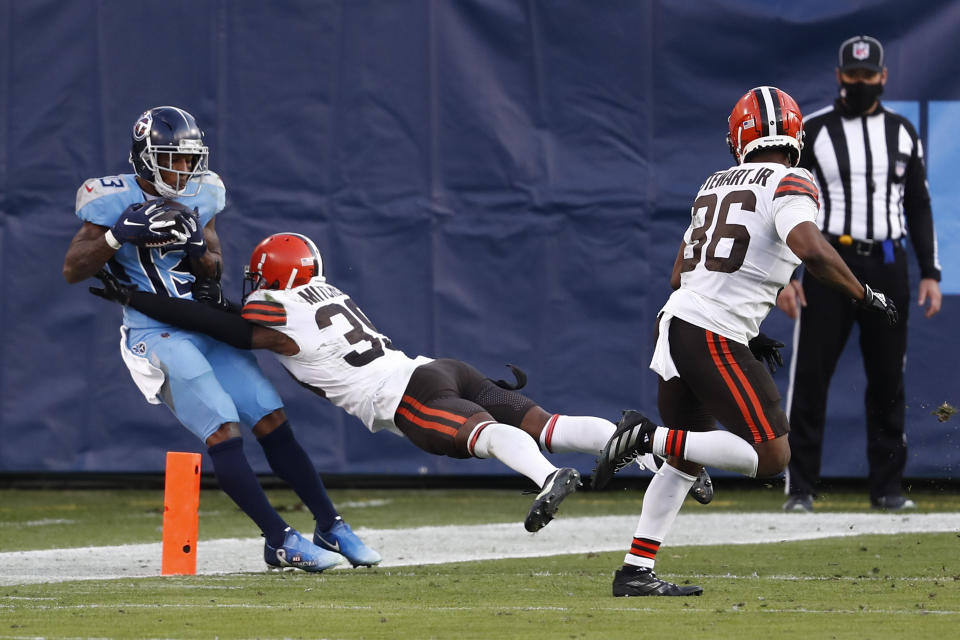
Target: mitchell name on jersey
{"x": 735, "y": 256}
{"x": 342, "y": 355}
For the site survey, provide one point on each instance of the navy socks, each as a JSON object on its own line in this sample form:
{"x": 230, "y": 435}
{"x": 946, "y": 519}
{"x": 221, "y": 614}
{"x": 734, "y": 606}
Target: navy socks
{"x": 292, "y": 465}
{"x": 240, "y": 483}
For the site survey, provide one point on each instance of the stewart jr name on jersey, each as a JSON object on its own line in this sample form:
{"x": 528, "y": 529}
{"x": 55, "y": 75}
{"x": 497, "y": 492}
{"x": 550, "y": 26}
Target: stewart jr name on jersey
{"x": 162, "y": 270}
{"x": 342, "y": 355}
{"x": 735, "y": 256}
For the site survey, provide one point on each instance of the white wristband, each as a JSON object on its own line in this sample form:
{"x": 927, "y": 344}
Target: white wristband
{"x": 111, "y": 240}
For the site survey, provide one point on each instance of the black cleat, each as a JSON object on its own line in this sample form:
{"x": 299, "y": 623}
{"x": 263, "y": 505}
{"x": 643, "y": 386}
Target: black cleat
{"x": 702, "y": 489}
{"x": 558, "y": 486}
{"x": 641, "y": 581}
{"x": 633, "y": 437}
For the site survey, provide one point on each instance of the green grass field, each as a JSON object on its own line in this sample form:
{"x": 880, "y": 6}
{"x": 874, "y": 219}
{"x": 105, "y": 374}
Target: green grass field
{"x": 890, "y": 586}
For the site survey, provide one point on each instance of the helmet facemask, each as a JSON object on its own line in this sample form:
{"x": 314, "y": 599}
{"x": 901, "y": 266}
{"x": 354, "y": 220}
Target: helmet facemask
{"x": 159, "y": 159}
{"x": 251, "y": 282}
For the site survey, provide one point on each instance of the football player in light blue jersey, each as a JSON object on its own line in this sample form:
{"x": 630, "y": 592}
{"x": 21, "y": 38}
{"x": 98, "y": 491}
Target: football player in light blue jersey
{"x": 155, "y": 229}
{"x": 100, "y": 201}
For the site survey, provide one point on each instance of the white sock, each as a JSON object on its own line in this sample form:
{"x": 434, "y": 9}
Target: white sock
{"x": 661, "y": 504}
{"x": 720, "y": 449}
{"x": 584, "y": 434}
{"x": 514, "y": 448}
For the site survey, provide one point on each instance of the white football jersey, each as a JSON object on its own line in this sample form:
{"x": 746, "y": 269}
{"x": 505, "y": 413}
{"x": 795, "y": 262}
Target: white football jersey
{"x": 342, "y": 355}
{"x": 735, "y": 255}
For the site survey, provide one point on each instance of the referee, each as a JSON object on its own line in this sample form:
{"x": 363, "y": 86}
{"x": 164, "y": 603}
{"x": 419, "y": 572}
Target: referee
{"x": 868, "y": 162}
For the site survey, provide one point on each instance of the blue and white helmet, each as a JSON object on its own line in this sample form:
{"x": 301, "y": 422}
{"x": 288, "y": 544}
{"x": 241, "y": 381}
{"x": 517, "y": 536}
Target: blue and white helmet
{"x": 158, "y": 135}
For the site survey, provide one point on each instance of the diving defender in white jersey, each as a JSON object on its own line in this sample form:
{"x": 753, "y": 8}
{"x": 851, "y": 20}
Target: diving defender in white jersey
{"x": 443, "y": 406}
{"x": 751, "y": 225}
{"x": 155, "y": 231}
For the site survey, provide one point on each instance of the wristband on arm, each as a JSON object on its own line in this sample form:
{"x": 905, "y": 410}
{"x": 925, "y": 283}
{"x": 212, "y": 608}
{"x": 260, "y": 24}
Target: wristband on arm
{"x": 111, "y": 240}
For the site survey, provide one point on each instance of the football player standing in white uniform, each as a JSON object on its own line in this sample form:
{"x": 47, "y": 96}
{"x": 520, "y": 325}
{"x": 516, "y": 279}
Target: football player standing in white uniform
{"x": 155, "y": 230}
{"x": 751, "y": 225}
{"x": 443, "y": 406}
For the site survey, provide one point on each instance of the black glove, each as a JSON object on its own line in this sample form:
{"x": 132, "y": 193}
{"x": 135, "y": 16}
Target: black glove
{"x": 156, "y": 223}
{"x": 207, "y": 289}
{"x": 112, "y": 290}
{"x": 767, "y": 350}
{"x": 876, "y": 301}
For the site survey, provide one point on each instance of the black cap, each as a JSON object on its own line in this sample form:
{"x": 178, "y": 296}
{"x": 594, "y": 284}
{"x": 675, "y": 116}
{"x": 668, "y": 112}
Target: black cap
{"x": 861, "y": 52}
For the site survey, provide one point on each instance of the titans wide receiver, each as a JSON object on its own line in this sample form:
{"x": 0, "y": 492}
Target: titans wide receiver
{"x": 751, "y": 225}
{"x": 443, "y": 406}
{"x": 155, "y": 230}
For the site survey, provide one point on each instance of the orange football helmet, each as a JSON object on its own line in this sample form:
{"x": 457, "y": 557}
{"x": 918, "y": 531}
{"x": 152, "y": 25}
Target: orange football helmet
{"x": 283, "y": 261}
{"x": 765, "y": 117}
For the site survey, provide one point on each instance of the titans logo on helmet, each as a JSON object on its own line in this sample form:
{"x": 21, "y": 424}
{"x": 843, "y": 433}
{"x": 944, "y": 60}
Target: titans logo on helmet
{"x": 142, "y": 126}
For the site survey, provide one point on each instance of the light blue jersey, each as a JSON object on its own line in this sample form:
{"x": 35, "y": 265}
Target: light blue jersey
{"x": 205, "y": 383}
{"x": 162, "y": 270}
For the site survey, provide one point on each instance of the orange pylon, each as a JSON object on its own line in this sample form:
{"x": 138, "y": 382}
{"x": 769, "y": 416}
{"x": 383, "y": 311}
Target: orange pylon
{"x": 181, "y": 504}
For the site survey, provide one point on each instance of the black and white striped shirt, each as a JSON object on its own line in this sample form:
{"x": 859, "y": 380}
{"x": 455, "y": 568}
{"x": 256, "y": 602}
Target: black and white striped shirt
{"x": 872, "y": 179}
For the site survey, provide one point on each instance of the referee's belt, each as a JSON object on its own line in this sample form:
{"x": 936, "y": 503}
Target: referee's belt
{"x": 861, "y": 247}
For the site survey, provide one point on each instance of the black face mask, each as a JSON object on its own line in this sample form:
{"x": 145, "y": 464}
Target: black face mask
{"x": 860, "y": 96}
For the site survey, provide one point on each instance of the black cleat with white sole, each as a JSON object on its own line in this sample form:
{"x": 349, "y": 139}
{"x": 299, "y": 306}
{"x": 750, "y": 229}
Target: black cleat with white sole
{"x": 641, "y": 581}
{"x": 558, "y": 486}
{"x": 633, "y": 437}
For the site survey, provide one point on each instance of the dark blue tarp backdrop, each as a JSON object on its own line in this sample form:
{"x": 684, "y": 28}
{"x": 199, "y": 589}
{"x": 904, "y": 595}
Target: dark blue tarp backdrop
{"x": 496, "y": 181}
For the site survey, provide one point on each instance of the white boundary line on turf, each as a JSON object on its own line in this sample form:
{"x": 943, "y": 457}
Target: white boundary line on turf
{"x": 417, "y": 546}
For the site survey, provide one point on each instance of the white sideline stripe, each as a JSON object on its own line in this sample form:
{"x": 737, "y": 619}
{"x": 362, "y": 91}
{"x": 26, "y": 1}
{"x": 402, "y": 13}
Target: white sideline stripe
{"x": 313, "y": 606}
{"x": 407, "y": 547}
{"x": 38, "y": 523}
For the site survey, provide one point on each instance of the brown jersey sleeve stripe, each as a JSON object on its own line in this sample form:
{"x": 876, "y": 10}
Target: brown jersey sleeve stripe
{"x": 265, "y": 321}
{"x": 792, "y": 185}
{"x": 796, "y": 184}
{"x": 797, "y": 180}
{"x": 264, "y": 304}
{"x": 790, "y": 189}
{"x": 798, "y": 189}
{"x": 268, "y": 314}
{"x": 265, "y": 307}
